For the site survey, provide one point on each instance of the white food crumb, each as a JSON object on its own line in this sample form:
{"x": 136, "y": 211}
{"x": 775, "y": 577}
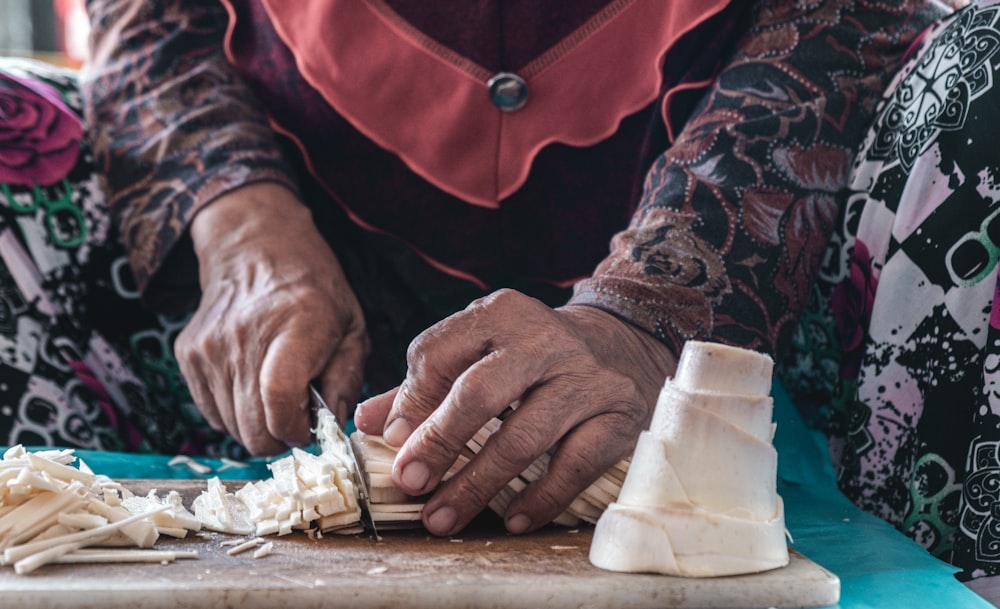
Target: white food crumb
{"x": 230, "y": 463}
{"x": 246, "y": 545}
{"x": 231, "y": 542}
{"x": 199, "y": 468}
{"x": 264, "y": 550}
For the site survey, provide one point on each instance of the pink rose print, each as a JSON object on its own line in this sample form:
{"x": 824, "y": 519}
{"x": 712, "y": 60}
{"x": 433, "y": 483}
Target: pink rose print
{"x": 39, "y": 135}
{"x": 852, "y": 301}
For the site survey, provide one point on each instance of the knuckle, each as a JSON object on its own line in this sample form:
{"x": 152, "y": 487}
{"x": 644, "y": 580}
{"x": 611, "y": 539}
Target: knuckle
{"x": 618, "y": 394}
{"x": 198, "y": 345}
{"x": 416, "y": 352}
{"x": 504, "y": 297}
{"x": 422, "y": 349}
{"x": 436, "y": 446}
{"x": 504, "y": 304}
{"x": 413, "y": 404}
{"x": 512, "y": 450}
{"x": 554, "y": 492}
{"x": 276, "y": 392}
{"x": 551, "y": 498}
{"x": 471, "y": 488}
{"x": 474, "y": 391}
{"x": 184, "y": 346}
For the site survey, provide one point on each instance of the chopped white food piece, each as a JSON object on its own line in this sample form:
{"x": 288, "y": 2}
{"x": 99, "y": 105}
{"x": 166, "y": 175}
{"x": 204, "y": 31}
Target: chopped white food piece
{"x": 305, "y": 491}
{"x": 246, "y": 545}
{"x": 33, "y": 561}
{"x": 81, "y": 520}
{"x": 101, "y": 555}
{"x": 195, "y": 466}
{"x": 230, "y": 464}
{"x": 219, "y": 510}
{"x": 264, "y": 550}
{"x": 16, "y": 553}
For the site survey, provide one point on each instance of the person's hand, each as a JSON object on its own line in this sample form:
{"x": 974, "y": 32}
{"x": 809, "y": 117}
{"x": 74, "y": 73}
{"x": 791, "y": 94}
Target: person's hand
{"x": 582, "y": 381}
{"x": 276, "y": 312}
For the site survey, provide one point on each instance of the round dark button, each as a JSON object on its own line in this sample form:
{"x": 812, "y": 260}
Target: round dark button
{"x": 508, "y": 91}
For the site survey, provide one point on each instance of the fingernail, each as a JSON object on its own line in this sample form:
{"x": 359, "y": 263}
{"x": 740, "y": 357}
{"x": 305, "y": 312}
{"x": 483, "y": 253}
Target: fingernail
{"x": 359, "y": 408}
{"x": 518, "y": 523}
{"x": 442, "y": 521}
{"x": 415, "y": 476}
{"x": 397, "y": 432}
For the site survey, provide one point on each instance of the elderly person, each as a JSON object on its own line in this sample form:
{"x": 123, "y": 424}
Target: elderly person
{"x": 452, "y": 208}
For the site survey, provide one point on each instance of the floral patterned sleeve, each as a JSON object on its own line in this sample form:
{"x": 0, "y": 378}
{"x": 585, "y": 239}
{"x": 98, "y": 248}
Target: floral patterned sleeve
{"x": 736, "y": 215}
{"x": 172, "y": 128}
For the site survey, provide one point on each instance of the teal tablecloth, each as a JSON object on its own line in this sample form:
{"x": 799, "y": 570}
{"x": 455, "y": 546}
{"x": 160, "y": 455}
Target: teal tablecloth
{"x": 879, "y": 568}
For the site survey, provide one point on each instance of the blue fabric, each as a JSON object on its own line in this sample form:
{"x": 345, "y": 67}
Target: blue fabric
{"x": 879, "y": 567}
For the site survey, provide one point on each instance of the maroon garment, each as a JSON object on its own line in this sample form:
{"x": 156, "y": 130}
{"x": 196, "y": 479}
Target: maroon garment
{"x": 718, "y": 232}
{"x": 556, "y": 227}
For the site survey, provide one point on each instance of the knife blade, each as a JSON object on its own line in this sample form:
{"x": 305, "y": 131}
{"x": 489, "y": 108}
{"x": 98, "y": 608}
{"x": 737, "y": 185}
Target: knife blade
{"x": 364, "y": 497}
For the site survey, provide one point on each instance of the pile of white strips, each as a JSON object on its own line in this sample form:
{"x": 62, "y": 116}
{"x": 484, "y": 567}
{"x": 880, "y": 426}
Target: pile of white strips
{"x": 51, "y": 512}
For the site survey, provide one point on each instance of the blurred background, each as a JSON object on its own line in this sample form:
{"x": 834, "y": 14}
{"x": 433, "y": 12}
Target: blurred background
{"x": 51, "y": 30}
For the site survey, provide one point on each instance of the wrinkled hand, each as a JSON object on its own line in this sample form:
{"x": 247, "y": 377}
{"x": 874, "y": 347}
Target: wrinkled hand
{"x": 583, "y": 382}
{"x": 276, "y": 312}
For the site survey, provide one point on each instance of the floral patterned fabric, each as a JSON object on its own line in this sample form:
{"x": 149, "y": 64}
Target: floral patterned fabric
{"x": 82, "y": 363}
{"x": 900, "y": 353}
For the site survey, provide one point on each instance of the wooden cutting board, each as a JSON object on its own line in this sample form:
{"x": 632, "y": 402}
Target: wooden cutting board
{"x": 483, "y": 568}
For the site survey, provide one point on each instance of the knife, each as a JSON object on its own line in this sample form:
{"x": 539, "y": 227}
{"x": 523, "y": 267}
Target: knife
{"x": 317, "y": 402}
